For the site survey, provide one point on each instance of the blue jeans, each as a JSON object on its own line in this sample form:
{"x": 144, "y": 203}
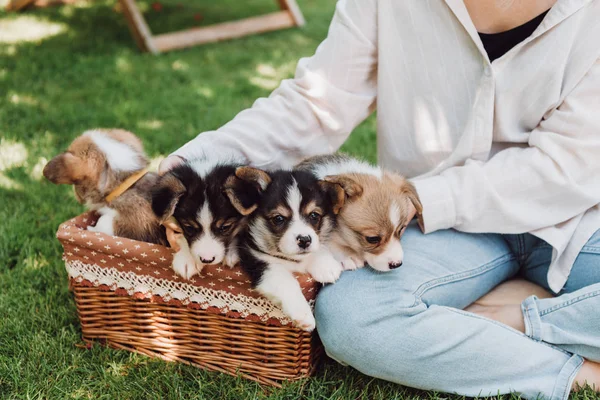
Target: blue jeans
{"x": 407, "y": 326}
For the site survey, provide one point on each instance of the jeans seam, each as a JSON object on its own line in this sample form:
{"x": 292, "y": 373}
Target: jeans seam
{"x": 533, "y": 326}
{"x": 506, "y": 327}
{"x": 418, "y": 293}
{"x": 527, "y": 321}
{"x": 569, "y": 302}
{"x": 522, "y": 253}
{"x": 593, "y": 249}
{"x": 473, "y": 315}
{"x": 576, "y": 362}
{"x": 572, "y": 377}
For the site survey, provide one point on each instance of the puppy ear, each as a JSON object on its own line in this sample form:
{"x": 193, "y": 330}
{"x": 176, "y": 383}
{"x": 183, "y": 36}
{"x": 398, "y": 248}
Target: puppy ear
{"x": 165, "y": 196}
{"x": 65, "y": 168}
{"x": 245, "y": 188}
{"x": 257, "y": 177}
{"x": 409, "y": 191}
{"x": 336, "y": 194}
{"x": 243, "y": 195}
{"x": 352, "y": 189}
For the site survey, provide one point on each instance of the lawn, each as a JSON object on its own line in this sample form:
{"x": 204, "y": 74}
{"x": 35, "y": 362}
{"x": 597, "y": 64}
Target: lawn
{"x": 67, "y": 69}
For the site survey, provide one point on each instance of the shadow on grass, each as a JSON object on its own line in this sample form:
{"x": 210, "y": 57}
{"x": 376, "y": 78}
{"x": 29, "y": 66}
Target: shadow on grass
{"x": 92, "y": 75}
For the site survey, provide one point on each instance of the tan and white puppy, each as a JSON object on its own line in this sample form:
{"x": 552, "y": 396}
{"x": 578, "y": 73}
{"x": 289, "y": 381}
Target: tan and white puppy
{"x": 374, "y": 214}
{"x": 98, "y": 163}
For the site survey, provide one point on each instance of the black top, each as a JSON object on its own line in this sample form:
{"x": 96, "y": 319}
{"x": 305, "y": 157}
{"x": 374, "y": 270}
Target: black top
{"x": 498, "y": 44}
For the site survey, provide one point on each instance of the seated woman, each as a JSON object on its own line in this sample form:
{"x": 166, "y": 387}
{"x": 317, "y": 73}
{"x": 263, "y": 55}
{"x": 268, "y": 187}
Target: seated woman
{"x": 493, "y": 108}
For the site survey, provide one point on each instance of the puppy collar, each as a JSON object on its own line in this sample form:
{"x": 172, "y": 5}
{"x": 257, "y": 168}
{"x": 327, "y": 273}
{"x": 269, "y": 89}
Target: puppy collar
{"x": 126, "y": 184}
{"x": 279, "y": 256}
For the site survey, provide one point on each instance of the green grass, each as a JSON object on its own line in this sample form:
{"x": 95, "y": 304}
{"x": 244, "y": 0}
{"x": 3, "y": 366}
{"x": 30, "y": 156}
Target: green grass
{"x": 87, "y": 74}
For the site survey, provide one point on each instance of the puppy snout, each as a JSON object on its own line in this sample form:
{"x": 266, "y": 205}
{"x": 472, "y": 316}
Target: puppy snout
{"x": 303, "y": 241}
{"x": 394, "y": 264}
{"x": 207, "y": 260}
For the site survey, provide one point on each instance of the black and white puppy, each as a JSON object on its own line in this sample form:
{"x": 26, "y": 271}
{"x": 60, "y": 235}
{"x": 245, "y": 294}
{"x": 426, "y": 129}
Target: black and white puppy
{"x": 193, "y": 194}
{"x": 286, "y": 232}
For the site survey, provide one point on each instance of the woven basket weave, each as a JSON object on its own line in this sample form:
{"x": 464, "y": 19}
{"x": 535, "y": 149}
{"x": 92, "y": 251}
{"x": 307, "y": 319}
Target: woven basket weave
{"x": 127, "y": 297}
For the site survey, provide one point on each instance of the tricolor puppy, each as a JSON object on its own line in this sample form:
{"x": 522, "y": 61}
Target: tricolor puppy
{"x": 107, "y": 168}
{"x": 287, "y": 232}
{"x": 193, "y": 194}
{"x": 374, "y": 213}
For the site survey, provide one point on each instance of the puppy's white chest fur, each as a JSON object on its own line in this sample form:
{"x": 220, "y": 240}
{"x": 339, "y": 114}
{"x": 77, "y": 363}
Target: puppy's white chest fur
{"x": 106, "y": 222}
{"x": 279, "y": 285}
{"x": 321, "y": 265}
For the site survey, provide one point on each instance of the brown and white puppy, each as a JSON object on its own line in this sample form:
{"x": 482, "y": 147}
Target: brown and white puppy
{"x": 374, "y": 214}
{"x": 98, "y": 162}
{"x": 287, "y": 231}
{"x": 193, "y": 194}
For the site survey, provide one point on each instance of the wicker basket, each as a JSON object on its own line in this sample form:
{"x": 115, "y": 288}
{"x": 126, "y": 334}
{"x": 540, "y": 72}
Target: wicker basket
{"x": 128, "y": 297}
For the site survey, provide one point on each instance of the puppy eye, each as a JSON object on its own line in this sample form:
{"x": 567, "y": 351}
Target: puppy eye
{"x": 314, "y": 216}
{"x": 278, "y": 220}
{"x": 188, "y": 228}
{"x": 225, "y": 227}
{"x": 373, "y": 239}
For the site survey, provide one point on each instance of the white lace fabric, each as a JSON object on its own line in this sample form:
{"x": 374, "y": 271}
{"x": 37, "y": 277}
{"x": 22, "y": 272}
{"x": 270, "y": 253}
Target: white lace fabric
{"x": 143, "y": 270}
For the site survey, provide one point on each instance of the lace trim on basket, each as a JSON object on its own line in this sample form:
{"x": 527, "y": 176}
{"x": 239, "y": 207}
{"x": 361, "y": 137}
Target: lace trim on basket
{"x": 181, "y": 291}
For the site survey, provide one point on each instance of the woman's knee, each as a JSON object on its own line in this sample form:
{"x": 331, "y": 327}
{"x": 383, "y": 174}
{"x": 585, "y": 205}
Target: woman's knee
{"x": 351, "y": 322}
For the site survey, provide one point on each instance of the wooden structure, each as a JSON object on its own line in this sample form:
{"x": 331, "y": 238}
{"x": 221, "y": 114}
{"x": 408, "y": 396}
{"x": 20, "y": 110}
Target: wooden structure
{"x": 16, "y": 5}
{"x": 288, "y": 16}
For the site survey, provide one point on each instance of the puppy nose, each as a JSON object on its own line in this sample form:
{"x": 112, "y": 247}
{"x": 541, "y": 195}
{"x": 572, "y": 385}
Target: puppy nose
{"x": 206, "y": 260}
{"x": 303, "y": 241}
{"x": 394, "y": 265}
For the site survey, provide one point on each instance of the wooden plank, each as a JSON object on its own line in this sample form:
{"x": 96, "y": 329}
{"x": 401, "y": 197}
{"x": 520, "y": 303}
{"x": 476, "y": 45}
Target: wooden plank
{"x": 223, "y": 31}
{"x": 292, "y": 7}
{"x": 15, "y": 5}
{"x": 138, "y": 26}
{"x": 290, "y": 16}
{"x": 51, "y": 3}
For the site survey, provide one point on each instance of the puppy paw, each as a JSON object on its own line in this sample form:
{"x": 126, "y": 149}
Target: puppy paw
{"x": 351, "y": 263}
{"x": 305, "y": 322}
{"x": 231, "y": 259}
{"x": 325, "y": 269}
{"x": 306, "y": 325}
{"x": 327, "y": 273}
{"x": 185, "y": 266}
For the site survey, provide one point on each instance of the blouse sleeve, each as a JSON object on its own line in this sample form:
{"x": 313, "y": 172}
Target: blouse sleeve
{"x": 523, "y": 189}
{"x": 313, "y": 113}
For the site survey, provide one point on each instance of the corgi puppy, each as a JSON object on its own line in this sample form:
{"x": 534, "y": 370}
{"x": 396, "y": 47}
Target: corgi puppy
{"x": 106, "y": 168}
{"x": 374, "y": 213}
{"x": 193, "y": 194}
{"x": 287, "y": 231}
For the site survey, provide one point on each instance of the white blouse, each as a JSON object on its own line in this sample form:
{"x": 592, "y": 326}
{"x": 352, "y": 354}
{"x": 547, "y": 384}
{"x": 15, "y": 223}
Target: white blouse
{"x": 511, "y": 146}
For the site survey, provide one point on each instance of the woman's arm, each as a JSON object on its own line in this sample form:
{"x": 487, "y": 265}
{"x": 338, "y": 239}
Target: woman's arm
{"x": 313, "y": 113}
{"x": 523, "y": 189}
